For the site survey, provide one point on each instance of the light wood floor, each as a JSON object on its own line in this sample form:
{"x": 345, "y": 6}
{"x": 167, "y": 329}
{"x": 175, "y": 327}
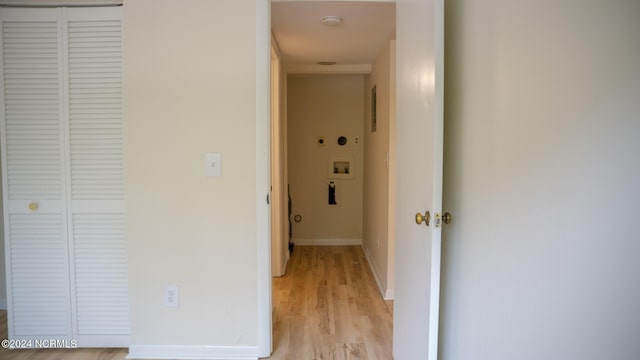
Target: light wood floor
{"x": 56, "y": 354}
{"x": 327, "y": 306}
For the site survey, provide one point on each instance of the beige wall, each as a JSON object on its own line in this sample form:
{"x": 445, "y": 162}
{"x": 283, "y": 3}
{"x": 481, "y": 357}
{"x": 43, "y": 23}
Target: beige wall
{"x": 376, "y": 240}
{"x": 329, "y": 106}
{"x": 190, "y": 88}
{"x": 541, "y": 175}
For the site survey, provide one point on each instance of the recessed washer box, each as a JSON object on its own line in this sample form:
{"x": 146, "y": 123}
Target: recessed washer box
{"x": 341, "y": 168}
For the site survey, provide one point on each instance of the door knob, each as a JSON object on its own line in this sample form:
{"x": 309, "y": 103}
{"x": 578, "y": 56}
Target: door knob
{"x": 447, "y": 218}
{"x": 423, "y": 218}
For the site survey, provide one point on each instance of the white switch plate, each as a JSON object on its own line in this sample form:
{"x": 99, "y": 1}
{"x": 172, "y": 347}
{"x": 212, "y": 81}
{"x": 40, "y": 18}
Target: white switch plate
{"x": 171, "y": 296}
{"x": 213, "y": 164}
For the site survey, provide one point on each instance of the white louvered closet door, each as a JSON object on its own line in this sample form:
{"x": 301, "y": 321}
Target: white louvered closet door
{"x": 33, "y": 175}
{"x": 89, "y": 180}
{"x": 96, "y": 176}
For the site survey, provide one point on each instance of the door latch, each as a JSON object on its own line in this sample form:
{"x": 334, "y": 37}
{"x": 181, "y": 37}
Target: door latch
{"x": 437, "y": 220}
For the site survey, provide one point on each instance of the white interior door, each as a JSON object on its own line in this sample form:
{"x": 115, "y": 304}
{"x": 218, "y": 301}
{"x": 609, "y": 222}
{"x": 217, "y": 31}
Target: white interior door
{"x": 542, "y": 131}
{"x": 420, "y": 54}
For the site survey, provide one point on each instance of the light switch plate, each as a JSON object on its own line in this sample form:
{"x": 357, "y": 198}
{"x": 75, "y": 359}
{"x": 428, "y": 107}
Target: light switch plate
{"x": 213, "y": 164}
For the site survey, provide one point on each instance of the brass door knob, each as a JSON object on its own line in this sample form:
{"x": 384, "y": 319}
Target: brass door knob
{"x": 447, "y": 218}
{"x": 423, "y": 218}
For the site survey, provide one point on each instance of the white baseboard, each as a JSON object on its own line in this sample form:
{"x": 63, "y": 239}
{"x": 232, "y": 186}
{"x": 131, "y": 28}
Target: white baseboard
{"x": 327, "y": 242}
{"x": 194, "y": 352}
{"x": 3, "y": 304}
{"x": 387, "y": 294}
{"x": 103, "y": 341}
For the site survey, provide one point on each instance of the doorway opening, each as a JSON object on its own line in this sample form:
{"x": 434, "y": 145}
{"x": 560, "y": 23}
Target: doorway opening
{"x": 332, "y": 151}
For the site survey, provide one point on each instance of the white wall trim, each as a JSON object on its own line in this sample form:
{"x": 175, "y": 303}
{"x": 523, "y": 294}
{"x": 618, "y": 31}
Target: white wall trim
{"x": 327, "y": 242}
{"x": 103, "y": 341}
{"x": 387, "y": 1}
{"x": 356, "y": 69}
{"x": 29, "y": 3}
{"x": 387, "y": 294}
{"x": 275, "y": 46}
{"x": 196, "y": 352}
{"x": 3, "y": 304}
{"x": 263, "y": 175}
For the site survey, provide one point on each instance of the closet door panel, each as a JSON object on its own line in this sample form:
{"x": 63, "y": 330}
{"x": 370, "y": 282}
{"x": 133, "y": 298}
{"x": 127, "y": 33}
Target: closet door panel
{"x": 33, "y": 174}
{"x": 32, "y": 111}
{"x": 101, "y": 274}
{"x": 97, "y": 176}
{"x": 40, "y": 297}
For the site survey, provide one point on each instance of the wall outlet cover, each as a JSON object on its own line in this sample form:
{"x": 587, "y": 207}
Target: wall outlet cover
{"x": 171, "y": 296}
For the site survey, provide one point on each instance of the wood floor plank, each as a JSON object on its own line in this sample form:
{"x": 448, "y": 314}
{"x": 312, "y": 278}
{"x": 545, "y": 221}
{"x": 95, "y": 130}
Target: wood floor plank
{"x": 353, "y": 351}
{"x": 335, "y": 309}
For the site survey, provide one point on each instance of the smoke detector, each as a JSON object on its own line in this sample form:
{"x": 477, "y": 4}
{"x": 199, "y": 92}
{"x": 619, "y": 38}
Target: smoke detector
{"x": 331, "y": 20}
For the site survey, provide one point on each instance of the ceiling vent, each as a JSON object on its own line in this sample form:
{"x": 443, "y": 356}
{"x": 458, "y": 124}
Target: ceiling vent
{"x": 331, "y": 20}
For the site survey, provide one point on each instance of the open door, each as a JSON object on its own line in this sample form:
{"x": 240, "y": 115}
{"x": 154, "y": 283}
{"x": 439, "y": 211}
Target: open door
{"x": 420, "y": 55}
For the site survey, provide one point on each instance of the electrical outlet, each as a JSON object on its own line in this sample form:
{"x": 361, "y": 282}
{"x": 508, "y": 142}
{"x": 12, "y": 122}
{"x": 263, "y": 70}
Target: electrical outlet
{"x": 171, "y": 296}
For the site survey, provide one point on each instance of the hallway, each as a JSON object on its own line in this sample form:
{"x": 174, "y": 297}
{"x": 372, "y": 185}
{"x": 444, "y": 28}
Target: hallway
{"x": 327, "y": 306}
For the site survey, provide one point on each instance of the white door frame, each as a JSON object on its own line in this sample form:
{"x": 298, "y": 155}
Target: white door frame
{"x": 263, "y": 168}
{"x": 263, "y": 174}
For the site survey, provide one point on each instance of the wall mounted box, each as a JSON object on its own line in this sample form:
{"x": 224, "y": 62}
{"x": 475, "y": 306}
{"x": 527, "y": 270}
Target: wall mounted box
{"x": 341, "y": 168}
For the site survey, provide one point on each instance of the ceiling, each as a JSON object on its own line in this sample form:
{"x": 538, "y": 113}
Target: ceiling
{"x": 303, "y": 39}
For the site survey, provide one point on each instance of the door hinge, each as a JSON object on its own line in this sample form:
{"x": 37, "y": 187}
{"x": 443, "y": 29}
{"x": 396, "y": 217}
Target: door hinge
{"x": 267, "y": 199}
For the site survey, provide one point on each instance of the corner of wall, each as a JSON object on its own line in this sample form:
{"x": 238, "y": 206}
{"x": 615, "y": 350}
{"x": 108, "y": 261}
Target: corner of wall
{"x": 378, "y": 166}
{"x": 386, "y": 293}
{"x": 391, "y": 229}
